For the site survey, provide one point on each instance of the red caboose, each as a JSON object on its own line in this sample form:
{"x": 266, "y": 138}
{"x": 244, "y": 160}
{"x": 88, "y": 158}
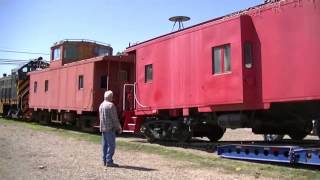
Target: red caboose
{"x": 72, "y": 88}
{"x": 257, "y": 68}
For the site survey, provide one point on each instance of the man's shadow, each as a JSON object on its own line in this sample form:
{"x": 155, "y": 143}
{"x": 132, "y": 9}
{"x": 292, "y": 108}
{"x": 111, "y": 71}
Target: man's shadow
{"x": 136, "y": 168}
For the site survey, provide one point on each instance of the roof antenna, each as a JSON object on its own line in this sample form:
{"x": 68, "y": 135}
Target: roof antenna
{"x": 179, "y": 20}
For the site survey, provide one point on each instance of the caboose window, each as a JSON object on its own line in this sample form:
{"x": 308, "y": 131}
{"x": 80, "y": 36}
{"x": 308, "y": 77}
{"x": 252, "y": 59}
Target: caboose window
{"x": 221, "y": 59}
{"x": 217, "y": 60}
{"x": 71, "y": 52}
{"x": 104, "y": 81}
{"x": 56, "y": 53}
{"x": 227, "y": 62}
{"x": 148, "y": 73}
{"x": 46, "y": 85}
{"x": 248, "y": 55}
{"x": 35, "y": 86}
{"x": 99, "y": 51}
{"x": 80, "y": 82}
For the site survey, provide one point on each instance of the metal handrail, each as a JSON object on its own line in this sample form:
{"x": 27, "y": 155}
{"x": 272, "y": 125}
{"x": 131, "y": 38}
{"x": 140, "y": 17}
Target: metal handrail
{"x": 21, "y": 97}
{"x": 82, "y": 40}
{"x": 134, "y": 96}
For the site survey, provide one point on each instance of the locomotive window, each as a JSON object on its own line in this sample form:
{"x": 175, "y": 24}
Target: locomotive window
{"x": 80, "y": 82}
{"x": 221, "y": 59}
{"x": 56, "y": 53}
{"x": 35, "y": 86}
{"x": 148, "y": 73}
{"x": 123, "y": 75}
{"x": 46, "y": 85}
{"x": 71, "y": 52}
{"x": 104, "y": 82}
{"x": 248, "y": 55}
{"x": 25, "y": 69}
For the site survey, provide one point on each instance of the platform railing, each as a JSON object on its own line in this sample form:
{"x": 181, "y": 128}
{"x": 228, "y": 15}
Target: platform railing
{"x": 134, "y": 97}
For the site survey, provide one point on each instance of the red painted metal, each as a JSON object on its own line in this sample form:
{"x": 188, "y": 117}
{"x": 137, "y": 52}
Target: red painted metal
{"x": 285, "y": 43}
{"x": 284, "y": 38}
{"x": 64, "y": 93}
{"x": 131, "y": 123}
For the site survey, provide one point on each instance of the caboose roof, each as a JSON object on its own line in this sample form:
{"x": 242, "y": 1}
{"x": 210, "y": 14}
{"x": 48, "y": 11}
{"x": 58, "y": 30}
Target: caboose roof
{"x": 86, "y": 61}
{"x": 260, "y": 7}
{"x": 67, "y": 41}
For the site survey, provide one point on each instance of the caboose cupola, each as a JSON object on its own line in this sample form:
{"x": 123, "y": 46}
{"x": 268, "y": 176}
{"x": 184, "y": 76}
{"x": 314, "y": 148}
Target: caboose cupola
{"x": 67, "y": 51}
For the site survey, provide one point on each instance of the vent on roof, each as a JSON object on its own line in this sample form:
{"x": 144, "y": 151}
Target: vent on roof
{"x": 178, "y": 20}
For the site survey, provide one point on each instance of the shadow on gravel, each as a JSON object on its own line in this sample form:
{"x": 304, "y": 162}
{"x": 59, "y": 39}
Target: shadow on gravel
{"x": 136, "y": 168}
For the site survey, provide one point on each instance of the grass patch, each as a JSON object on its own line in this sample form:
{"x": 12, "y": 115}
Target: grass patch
{"x": 198, "y": 161}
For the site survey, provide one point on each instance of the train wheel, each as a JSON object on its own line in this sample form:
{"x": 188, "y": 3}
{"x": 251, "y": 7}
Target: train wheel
{"x": 272, "y": 137}
{"x": 150, "y": 139}
{"x": 44, "y": 118}
{"x": 297, "y": 136}
{"x": 216, "y": 133}
{"x": 147, "y": 133}
{"x": 301, "y": 133}
{"x": 35, "y": 116}
{"x": 183, "y": 134}
{"x": 86, "y": 124}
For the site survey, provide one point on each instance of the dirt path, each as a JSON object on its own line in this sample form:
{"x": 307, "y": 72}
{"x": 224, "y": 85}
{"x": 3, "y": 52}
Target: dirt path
{"x": 29, "y": 154}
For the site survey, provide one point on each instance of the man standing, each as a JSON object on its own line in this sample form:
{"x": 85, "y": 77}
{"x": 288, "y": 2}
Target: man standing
{"x": 109, "y": 125}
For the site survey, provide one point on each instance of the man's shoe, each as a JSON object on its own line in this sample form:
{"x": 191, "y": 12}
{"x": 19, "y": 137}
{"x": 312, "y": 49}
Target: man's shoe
{"x": 112, "y": 165}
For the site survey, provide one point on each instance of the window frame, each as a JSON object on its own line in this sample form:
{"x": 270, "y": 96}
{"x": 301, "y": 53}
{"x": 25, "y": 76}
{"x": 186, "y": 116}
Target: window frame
{"x": 225, "y": 59}
{"x": 148, "y": 79}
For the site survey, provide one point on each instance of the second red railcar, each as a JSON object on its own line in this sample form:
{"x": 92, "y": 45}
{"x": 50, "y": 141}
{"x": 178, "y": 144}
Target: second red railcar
{"x": 257, "y": 68}
{"x": 71, "y": 89}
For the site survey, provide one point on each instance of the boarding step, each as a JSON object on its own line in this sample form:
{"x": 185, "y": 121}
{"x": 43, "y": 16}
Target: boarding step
{"x": 132, "y": 123}
{"x": 128, "y": 131}
{"x": 131, "y": 127}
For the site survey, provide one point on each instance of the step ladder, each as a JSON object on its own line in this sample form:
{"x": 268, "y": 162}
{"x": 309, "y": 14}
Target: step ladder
{"x": 308, "y": 155}
{"x": 132, "y": 123}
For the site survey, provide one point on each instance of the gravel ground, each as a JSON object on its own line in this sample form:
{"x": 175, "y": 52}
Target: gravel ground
{"x": 29, "y": 154}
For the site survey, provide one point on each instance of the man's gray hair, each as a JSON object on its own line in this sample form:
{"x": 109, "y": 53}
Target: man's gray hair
{"x": 108, "y": 95}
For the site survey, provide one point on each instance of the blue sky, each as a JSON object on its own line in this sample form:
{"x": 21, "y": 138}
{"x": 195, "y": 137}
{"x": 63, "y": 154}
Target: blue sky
{"x": 34, "y": 25}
